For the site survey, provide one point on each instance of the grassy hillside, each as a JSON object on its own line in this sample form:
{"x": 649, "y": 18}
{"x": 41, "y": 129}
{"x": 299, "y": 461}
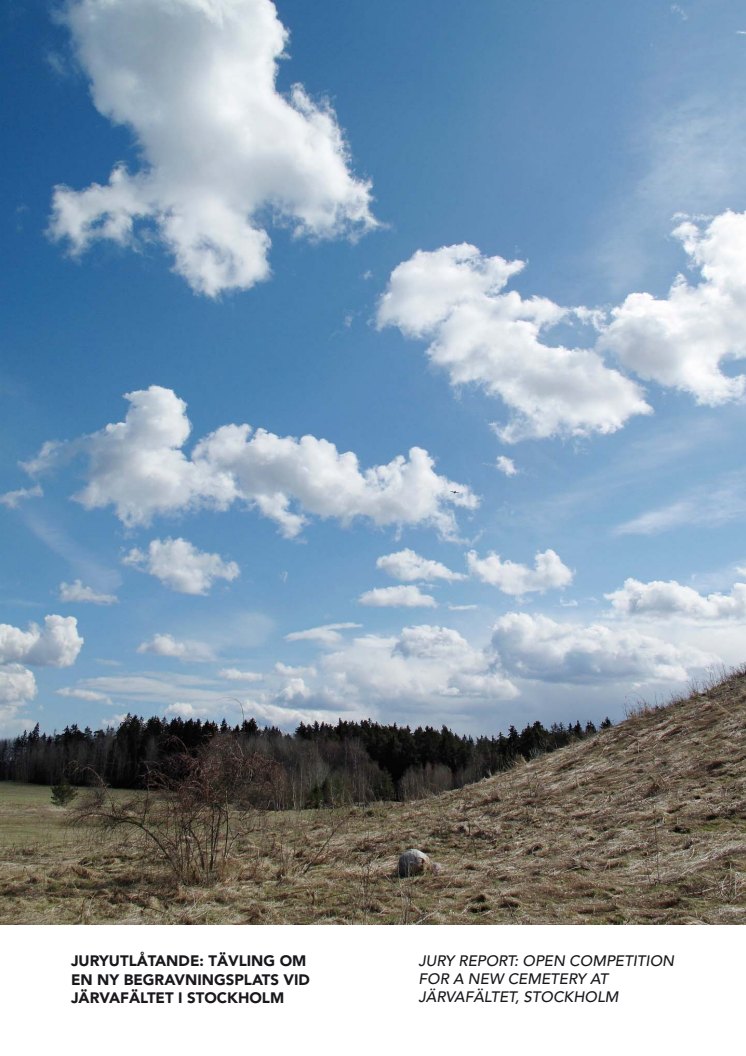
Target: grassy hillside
{"x": 643, "y": 824}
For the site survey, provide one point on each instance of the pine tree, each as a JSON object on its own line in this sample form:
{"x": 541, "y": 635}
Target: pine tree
{"x": 63, "y": 793}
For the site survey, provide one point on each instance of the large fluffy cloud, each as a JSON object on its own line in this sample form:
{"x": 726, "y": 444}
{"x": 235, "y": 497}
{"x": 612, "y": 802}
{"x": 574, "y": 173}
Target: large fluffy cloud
{"x": 407, "y": 566}
{"x": 659, "y": 598}
{"x": 682, "y": 340}
{"x": 537, "y": 647}
{"x": 453, "y": 298}
{"x": 138, "y": 467}
{"x": 511, "y": 577}
{"x": 221, "y": 149}
{"x": 57, "y": 644}
{"x": 181, "y": 566}
{"x": 423, "y": 666}
{"x": 17, "y": 688}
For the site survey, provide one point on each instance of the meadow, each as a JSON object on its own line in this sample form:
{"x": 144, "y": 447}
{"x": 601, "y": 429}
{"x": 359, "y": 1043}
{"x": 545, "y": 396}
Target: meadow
{"x": 644, "y": 823}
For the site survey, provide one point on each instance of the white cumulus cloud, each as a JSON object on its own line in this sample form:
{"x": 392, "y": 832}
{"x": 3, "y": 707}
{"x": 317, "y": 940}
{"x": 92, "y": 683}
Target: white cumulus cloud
{"x": 453, "y": 297}
{"x": 179, "y": 565}
{"x": 407, "y": 566}
{"x": 400, "y": 597}
{"x": 182, "y": 711}
{"x": 17, "y": 688}
{"x": 17, "y": 685}
{"x": 138, "y": 467}
{"x": 76, "y": 592}
{"x": 167, "y": 645}
{"x": 537, "y": 647}
{"x": 328, "y": 634}
{"x": 683, "y": 340}
{"x": 424, "y": 666}
{"x": 221, "y": 151}
{"x": 548, "y": 573}
{"x": 295, "y": 691}
{"x": 57, "y": 644}
{"x": 659, "y": 598}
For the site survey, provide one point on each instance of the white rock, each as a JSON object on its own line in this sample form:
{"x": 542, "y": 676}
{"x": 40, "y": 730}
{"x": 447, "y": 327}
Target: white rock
{"x": 413, "y": 862}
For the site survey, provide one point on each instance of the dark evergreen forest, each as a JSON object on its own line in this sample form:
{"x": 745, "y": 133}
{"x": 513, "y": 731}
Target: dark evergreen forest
{"x": 318, "y": 765}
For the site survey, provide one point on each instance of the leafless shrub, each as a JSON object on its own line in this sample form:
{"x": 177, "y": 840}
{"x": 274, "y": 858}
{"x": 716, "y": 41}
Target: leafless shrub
{"x": 192, "y": 811}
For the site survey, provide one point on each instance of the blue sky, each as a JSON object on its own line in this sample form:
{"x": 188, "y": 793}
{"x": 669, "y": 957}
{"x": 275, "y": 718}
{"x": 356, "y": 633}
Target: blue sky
{"x": 338, "y": 262}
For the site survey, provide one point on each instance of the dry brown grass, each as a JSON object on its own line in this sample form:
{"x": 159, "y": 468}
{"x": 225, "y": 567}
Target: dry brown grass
{"x": 644, "y": 824}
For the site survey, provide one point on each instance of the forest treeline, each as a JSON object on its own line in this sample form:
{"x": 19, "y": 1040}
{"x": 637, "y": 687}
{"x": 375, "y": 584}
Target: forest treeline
{"x": 320, "y": 764}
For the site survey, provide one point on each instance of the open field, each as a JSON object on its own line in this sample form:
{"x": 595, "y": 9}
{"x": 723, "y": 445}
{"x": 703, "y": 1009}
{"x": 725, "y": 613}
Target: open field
{"x": 643, "y": 824}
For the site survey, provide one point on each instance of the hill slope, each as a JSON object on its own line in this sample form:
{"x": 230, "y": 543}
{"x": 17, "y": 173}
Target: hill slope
{"x": 644, "y": 823}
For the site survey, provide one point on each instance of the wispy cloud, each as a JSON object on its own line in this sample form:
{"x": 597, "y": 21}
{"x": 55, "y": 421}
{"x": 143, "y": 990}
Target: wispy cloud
{"x": 646, "y": 459}
{"x": 690, "y": 157}
{"x": 703, "y": 507}
{"x": 88, "y": 695}
{"x": 719, "y": 578}
{"x": 233, "y": 674}
{"x": 326, "y": 635}
{"x": 148, "y": 688}
{"x": 80, "y": 559}
{"x": 13, "y": 499}
{"x": 76, "y": 592}
{"x": 507, "y": 466}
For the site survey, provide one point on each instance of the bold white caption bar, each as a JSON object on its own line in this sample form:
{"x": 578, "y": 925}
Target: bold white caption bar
{"x": 678, "y": 988}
